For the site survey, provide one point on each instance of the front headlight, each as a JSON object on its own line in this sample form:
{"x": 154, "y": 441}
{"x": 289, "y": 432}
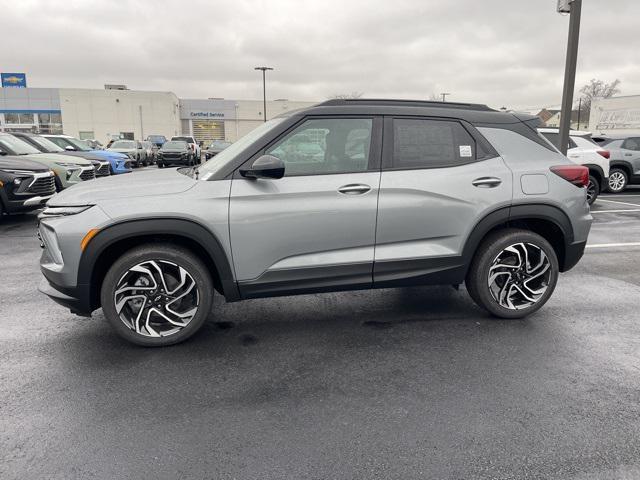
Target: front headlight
{"x": 69, "y": 165}
{"x": 64, "y": 211}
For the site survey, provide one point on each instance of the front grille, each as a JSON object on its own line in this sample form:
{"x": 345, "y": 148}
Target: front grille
{"x": 42, "y": 186}
{"x": 88, "y": 174}
{"x": 172, "y": 156}
{"x": 103, "y": 170}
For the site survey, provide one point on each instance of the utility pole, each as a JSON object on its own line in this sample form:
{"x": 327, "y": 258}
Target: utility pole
{"x": 141, "y": 127}
{"x": 573, "y": 7}
{"x": 264, "y": 89}
{"x": 444, "y": 96}
{"x": 579, "y": 110}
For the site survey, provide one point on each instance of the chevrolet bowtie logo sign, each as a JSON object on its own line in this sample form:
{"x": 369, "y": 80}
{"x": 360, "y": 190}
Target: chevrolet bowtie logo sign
{"x": 18, "y": 80}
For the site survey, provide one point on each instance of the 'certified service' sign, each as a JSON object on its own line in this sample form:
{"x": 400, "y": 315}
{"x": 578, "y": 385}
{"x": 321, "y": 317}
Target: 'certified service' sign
{"x": 18, "y": 80}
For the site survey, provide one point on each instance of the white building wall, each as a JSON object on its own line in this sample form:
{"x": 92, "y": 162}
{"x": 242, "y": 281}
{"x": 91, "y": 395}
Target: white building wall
{"x": 616, "y": 115}
{"x": 110, "y": 112}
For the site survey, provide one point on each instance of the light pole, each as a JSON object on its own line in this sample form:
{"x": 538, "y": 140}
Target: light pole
{"x": 444, "y": 96}
{"x": 264, "y": 89}
{"x": 573, "y": 7}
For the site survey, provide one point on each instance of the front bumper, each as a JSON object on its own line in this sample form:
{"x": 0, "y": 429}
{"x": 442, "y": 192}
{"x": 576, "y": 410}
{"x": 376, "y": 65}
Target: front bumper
{"x": 14, "y": 205}
{"x": 67, "y": 297}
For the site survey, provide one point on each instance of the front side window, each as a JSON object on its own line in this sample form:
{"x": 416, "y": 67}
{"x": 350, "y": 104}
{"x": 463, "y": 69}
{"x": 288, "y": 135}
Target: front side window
{"x": 421, "y": 143}
{"x": 325, "y": 146}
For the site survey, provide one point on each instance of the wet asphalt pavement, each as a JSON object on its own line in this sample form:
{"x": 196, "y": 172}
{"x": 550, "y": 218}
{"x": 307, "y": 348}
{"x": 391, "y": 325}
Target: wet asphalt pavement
{"x": 399, "y": 383}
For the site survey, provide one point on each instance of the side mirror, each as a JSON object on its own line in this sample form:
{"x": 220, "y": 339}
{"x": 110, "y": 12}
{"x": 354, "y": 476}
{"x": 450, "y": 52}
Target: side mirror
{"x": 70, "y": 148}
{"x": 266, "y": 166}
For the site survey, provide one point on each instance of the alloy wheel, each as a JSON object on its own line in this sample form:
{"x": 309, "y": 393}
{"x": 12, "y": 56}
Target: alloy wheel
{"x": 156, "y": 298}
{"x": 617, "y": 181}
{"x": 591, "y": 192}
{"x": 519, "y": 276}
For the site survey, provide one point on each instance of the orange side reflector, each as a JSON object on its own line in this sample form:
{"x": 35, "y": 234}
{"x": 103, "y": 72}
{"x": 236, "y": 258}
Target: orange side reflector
{"x": 87, "y": 238}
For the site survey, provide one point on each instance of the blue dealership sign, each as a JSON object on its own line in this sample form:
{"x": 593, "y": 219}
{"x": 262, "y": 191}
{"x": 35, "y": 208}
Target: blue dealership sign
{"x": 18, "y": 80}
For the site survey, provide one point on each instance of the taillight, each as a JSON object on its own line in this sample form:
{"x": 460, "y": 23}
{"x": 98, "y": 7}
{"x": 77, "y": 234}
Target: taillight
{"x": 604, "y": 153}
{"x": 576, "y": 174}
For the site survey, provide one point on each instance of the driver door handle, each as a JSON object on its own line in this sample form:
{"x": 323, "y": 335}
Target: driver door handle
{"x": 486, "y": 182}
{"x": 354, "y": 189}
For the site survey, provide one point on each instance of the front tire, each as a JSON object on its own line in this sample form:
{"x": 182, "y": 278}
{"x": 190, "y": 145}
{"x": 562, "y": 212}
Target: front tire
{"x": 593, "y": 189}
{"x": 513, "y": 273}
{"x": 157, "y": 295}
{"x": 618, "y": 180}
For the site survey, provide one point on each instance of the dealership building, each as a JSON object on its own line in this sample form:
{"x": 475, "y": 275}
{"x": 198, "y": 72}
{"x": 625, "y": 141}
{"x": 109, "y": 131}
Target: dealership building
{"x": 116, "y": 112}
{"x": 615, "y": 115}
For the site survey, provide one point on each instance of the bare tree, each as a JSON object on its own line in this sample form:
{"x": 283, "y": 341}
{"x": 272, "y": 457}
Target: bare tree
{"x": 346, "y": 96}
{"x": 597, "y": 88}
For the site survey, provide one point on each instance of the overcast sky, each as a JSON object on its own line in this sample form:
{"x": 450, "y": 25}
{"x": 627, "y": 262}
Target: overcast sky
{"x": 498, "y": 52}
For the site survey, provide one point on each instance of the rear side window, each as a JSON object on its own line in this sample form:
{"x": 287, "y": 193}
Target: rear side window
{"x": 632, "y": 144}
{"x": 422, "y": 143}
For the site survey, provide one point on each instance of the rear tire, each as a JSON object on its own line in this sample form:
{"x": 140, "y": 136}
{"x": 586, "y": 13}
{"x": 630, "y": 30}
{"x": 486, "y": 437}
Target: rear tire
{"x": 168, "y": 294}
{"x": 593, "y": 189}
{"x": 618, "y": 180}
{"x": 496, "y": 283}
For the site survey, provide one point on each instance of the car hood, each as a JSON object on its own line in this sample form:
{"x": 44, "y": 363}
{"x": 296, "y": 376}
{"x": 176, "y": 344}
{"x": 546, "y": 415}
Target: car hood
{"x": 139, "y": 184}
{"x": 57, "y": 157}
{"x": 85, "y": 155}
{"x": 18, "y": 163}
{"x": 108, "y": 154}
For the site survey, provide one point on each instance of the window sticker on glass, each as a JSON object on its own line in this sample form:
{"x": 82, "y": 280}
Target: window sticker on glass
{"x": 465, "y": 151}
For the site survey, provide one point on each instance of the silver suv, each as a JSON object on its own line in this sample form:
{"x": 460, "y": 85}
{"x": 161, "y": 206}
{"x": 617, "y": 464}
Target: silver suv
{"x": 349, "y": 194}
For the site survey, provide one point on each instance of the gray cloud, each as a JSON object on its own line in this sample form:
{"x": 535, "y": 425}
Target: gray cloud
{"x": 491, "y": 51}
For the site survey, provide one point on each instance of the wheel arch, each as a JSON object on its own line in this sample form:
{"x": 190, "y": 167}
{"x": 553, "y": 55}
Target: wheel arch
{"x": 622, "y": 165}
{"x": 110, "y": 243}
{"x": 548, "y": 221}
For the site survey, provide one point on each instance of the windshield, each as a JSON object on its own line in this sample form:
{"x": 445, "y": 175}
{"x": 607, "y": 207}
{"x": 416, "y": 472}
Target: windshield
{"x": 123, "y": 144}
{"x": 174, "y": 145}
{"x": 184, "y": 139}
{"x": 229, "y": 153}
{"x": 17, "y": 146}
{"x": 47, "y": 144}
{"x": 77, "y": 144}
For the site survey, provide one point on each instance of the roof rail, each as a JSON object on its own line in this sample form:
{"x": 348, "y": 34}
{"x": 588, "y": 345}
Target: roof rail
{"x": 405, "y": 103}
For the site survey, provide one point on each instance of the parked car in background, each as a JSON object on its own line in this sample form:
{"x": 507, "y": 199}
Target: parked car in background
{"x": 119, "y": 162}
{"x": 215, "y": 148}
{"x": 150, "y": 151}
{"x": 101, "y": 166}
{"x": 24, "y": 185}
{"x": 175, "y": 152}
{"x": 157, "y": 140}
{"x": 625, "y": 161}
{"x": 584, "y": 151}
{"x": 132, "y": 149}
{"x": 193, "y": 145}
{"x": 68, "y": 170}
{"x": 407, "y": 193}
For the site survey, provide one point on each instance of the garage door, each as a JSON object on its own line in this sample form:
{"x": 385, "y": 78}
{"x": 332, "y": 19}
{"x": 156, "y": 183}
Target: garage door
{"x": 208, "y": 130}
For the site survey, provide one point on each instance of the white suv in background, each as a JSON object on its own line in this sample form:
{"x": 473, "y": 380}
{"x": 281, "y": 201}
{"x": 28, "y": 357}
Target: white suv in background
{"x": 584, "y": 151}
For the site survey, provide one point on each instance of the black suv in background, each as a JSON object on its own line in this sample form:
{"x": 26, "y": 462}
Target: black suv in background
{"x": 24, "y": 185}
{"x": 175, "y": 152}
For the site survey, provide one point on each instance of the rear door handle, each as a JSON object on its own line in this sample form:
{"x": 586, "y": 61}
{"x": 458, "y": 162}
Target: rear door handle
{"x": 354, "y": 189}
{"x": 486, "y": 182}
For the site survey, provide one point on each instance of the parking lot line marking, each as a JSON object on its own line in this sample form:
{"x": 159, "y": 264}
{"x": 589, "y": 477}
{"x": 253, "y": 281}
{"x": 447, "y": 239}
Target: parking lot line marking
{"x": 621, "y": 195}
{"x": 607, "y": 245}
{"x": 620, "y": 203}
{"x": 616, "y": 211}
